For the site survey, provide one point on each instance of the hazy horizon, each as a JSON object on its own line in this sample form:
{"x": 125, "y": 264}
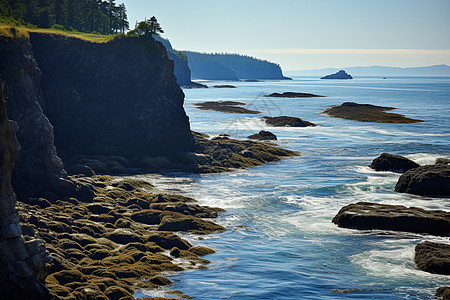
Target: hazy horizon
{"x": 301, "y": 35}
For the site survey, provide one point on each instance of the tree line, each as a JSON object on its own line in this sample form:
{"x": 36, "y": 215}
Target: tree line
{"x": 105, "y": 17}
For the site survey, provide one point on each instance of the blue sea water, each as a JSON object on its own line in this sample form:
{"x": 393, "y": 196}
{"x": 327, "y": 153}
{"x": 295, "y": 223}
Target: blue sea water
{"x": 280, "y": 242}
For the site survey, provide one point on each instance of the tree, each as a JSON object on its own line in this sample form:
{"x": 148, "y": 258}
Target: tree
{"x": 155, "y": 28}
{"x": 148, "y": 27}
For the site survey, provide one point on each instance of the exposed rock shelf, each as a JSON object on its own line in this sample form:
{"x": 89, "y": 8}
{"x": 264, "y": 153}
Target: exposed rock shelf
{"x": 366, "y": 216}
{"x": 433, "y": 257}
{"x": 284, "y": 121}
{"x": 293, "y": 95}
{"x": 367, "y": 113}
{"x": 226, "y": 106}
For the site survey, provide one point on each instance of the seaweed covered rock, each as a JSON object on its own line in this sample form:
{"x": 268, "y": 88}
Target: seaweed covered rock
{"x": 433, "y": 257}
{"x": 285, "y": 121}
{"x": 367, "y": 113}
{"x": 432, "y": 180}
{"x": 262, "y": 136}
{"x": 394, "y": 163}
{"x": 367, "y": 215}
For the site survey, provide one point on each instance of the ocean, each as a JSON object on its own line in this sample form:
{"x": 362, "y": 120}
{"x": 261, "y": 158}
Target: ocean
{"x": 280, "y": 242}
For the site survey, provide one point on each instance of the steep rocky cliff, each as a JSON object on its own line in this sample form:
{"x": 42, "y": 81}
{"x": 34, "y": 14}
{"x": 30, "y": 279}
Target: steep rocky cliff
{"x": 21, "y": 262}
{"x": 38, "y": 166}
{"x": 116, "y": 98}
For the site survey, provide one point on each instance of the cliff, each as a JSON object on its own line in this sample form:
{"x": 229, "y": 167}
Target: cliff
{"x": 232, "y": 67}
{"x": 181, "y": 68}
{"x": 39, "y": 165}
{"x": 118, "y": 98}
{"x": 21, "y": 262}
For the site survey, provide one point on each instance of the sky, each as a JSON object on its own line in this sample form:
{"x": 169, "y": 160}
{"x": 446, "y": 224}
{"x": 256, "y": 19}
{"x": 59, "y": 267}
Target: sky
{"x": 307, "y": 34}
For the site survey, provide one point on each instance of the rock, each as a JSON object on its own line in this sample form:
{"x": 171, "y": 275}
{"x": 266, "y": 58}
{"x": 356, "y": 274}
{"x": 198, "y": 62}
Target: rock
{"x": 429, "y": 180}
{"x": 172, "y": 221}
{"x": 443, "y": 293}
{"x": 147, "y": 216}
{"x": 367, "y": 113}
{"x": 433, "y": 257}
{"x": 68, "y": 276}
{"x": 84, "y": 97}
{"x": 293, "y": 95}
{"x": 122, "y": 236}
{"x": 224, "y": 86}
{"x": 200, "y": 251}
{"x": 116, "y": 292}
{"x": 263, "y": 135}
{"x": 22, "y": 264}
{"x": 338, "y": 75}
{"x": 394, "y": 163}
{"x": 169, "y": 240}
{"x": 225, "y": 106}
{"x": 366, "y": 216}
{"x": 284, "y": 121}
{"x": 442, "y": 161}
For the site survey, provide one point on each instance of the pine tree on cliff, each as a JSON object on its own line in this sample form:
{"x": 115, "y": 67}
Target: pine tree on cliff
{"x": 155, "y": 27}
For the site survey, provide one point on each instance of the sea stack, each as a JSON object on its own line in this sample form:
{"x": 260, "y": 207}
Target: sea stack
{"x": 339, "y": 75}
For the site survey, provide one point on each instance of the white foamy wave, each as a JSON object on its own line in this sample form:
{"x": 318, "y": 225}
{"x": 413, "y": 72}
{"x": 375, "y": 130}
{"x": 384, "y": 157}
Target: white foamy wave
{"x": 426, "y": 158}
{"x": 403, "y": 133}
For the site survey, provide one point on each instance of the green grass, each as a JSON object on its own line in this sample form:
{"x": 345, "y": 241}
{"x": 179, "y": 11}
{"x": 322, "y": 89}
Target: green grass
{"x": 11, "y": 30}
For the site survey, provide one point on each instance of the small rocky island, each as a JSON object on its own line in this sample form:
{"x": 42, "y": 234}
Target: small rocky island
{"x": 367, "y": 113}
{"x": 338, "y": 75}
{"x": 226, "y": 106}
{"x": 293, "y": 95}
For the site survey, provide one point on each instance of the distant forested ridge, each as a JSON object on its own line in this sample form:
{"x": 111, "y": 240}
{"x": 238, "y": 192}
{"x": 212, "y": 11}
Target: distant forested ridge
{"x": 105, "y": 17}
{"x": 231, "y": 67}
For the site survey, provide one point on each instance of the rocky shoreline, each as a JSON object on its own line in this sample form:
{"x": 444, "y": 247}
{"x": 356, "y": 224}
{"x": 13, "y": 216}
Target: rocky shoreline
{"x": 430, "y": 180}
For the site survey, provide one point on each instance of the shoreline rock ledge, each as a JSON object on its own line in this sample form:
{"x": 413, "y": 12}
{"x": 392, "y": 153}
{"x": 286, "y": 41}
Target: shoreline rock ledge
{"x": 368, "y": 216}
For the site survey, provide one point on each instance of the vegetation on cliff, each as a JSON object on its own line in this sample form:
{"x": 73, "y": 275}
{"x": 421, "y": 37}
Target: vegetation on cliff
{"x": 104, "y": 17}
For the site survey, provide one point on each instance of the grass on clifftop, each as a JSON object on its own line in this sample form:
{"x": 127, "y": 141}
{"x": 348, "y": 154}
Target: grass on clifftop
{"x": 12, "y": 31}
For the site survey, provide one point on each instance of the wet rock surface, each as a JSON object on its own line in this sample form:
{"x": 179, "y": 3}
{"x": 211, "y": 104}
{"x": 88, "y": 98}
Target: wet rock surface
{"x": 367, "y": 113}
{"x": 284, "y": 121}
{"x": 367, "y": 215}
{"x": 392, "y": 162}
{"x": 262, "y": 136}
{"x": 124, "y": 250}
{"x": 432, "y": 180}
{"x": 293, "y": 95}
{"x": 433, "y": 257}
{"x": 226, "y": 106}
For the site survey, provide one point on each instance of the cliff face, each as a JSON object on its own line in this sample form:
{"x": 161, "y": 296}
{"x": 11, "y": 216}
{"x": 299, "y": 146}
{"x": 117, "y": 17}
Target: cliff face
{"x": 38, "y": 166}
{"x": 181, "y": 67}
{"x": 21, "y": 262}
{"x": 118, "y": 98}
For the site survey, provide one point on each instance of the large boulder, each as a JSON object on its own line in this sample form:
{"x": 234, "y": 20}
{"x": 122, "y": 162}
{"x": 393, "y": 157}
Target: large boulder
{"x": 433, "y": 257}
{"x": 394, "y": 163}
{"x": 432, "y": 180}
{"x": 366, "y": 216}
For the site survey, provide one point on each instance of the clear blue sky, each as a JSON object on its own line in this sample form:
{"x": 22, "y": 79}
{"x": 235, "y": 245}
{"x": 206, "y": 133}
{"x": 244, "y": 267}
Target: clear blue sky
{"x": 308, "y": 34}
